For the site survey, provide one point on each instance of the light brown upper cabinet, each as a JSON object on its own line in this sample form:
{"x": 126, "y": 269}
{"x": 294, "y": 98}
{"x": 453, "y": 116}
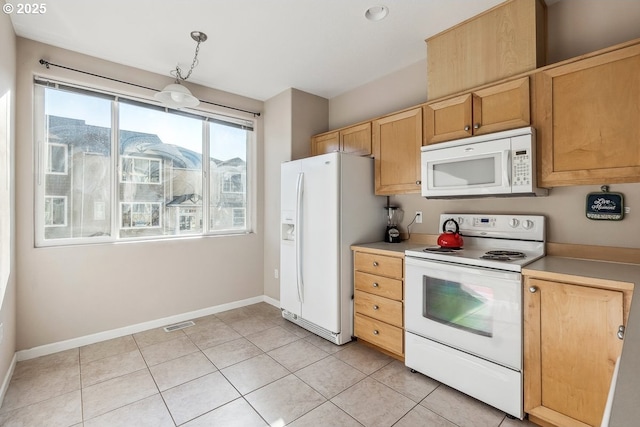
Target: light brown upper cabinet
{"x": 353, "y": 139}
{"x": 397, "y": 140}
{"x": 588, "y": 120}
{"x": 325, "y": 143}
{"x": 492, "y": 109}
{"x": 504, "y": 41}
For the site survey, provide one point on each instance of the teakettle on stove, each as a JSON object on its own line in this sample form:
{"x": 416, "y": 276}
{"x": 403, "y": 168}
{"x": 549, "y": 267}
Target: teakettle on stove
{"x": 450, "y": 239}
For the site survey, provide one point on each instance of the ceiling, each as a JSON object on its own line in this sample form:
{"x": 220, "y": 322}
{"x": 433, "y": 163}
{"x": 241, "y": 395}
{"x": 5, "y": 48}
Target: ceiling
{"x": 256, "y": 48}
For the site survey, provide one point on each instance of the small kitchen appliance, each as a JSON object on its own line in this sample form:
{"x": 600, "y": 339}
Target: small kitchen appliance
{"x": 463, "y": 308}
{"x": 450, "y": 238}
{"x": 394, "y": 215}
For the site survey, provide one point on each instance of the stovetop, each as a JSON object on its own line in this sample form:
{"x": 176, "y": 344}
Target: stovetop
{"x": 512, "y": 241}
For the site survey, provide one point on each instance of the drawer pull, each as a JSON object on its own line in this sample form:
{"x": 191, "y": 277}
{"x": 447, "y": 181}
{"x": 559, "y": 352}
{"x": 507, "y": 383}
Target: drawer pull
{"x": 375, "y": 263}
{"x": 621, "y": 332}
{"x": 375, "y": 285}
{"x": 533, "y": 289}
{"x": 375, "y": 307}
{"x": 375, "y": 332}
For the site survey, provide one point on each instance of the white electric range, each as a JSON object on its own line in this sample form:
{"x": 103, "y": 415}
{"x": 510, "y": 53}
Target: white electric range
{"x": 463, "y": 307}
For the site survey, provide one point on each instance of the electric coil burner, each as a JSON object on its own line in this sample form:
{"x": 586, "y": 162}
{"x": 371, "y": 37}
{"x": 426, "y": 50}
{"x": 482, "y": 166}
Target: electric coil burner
{"x": 463, "y": 307}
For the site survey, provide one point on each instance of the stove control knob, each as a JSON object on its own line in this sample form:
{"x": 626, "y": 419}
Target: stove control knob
{"x": 513, "y": 222}
{"x": 527, "y": 224}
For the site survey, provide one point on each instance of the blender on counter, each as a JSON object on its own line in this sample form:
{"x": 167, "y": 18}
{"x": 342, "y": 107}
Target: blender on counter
{"x": 394, "y": 216}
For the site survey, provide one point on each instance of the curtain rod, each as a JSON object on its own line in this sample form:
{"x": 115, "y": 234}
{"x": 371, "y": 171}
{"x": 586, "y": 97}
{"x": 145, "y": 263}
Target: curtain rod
{"x": 48, "y": 64}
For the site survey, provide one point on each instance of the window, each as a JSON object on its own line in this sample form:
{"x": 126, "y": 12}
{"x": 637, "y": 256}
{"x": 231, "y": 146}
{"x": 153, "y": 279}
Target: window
{"x": 140, "y": 170}
{"x": 115, "y": 169}
{"x": 140, "y": 215}
{"x": 55, "y": 211}
{"x": 57, "y": 163}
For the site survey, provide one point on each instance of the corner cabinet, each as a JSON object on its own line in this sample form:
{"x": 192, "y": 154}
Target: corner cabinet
{"x": 500, "y": 107}
{"x": 397, "y": 139}
{"x": 571, "y": 345}
{"x": 587, "y": 115}
{"x": 354, "y": 140}
{"x": 378, "y": 300}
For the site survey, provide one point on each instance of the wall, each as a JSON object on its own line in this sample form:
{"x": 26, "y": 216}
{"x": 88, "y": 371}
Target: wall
{"x": 7, "y": 194}
{"x": 291, "y": 118}
{"x": 575, "y": 27}
{"x": 117, "y": 285}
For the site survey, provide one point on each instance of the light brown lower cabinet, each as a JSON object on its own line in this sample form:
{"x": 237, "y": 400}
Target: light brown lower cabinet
{"x": 571, "y": 345}
{"x": 378, "y": 301}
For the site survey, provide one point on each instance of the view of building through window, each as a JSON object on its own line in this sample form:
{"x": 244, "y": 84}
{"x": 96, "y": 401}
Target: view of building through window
{"x": 146, "y": 177}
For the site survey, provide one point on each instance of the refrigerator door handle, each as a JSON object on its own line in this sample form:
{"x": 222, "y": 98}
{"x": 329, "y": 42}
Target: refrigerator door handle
{"x": 298, "y": 237}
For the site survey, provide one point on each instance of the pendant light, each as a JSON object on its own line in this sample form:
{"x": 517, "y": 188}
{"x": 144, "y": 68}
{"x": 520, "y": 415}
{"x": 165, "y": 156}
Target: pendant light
{"x": 175, "y": 95}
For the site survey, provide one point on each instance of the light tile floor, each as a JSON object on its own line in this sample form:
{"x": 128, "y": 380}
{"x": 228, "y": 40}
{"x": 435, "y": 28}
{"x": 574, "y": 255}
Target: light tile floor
{"x": 244, "y": 367}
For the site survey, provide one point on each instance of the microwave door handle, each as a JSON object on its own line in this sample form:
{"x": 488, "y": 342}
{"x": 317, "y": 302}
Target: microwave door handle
{"x": 506, "y": 172}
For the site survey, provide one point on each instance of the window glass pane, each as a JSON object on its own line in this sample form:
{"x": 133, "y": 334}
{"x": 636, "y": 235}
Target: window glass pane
{"x": 228, "y": 177}
{"x": 77, "y": 159}
{"x": 160, "y": 173}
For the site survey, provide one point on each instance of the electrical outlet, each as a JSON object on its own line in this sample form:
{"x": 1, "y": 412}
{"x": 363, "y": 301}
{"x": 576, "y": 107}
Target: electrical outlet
{"x": 418, "y": 217}
{"x": 276, "y": 274}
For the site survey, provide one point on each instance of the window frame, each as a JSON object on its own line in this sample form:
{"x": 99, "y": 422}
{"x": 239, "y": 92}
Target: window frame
{"x": 114, "y": 205}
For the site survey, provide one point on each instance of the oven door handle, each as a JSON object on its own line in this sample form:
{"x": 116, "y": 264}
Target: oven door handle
{"x": 431, "y": 268}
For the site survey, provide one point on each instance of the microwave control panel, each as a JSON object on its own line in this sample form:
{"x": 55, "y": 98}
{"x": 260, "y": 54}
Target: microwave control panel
{"x": 522, "y": 163}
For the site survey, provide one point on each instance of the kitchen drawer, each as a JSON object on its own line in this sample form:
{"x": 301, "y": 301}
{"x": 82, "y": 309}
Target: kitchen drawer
{"x": 379, "y": 308}
{"x": 383, "y": 335}
{"x": 379, "y": 285}
{"x": 378, "y": 264}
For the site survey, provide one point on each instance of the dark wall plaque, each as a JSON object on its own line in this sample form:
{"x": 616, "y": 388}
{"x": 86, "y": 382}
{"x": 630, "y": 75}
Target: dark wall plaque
{"x": 605, "y": 205}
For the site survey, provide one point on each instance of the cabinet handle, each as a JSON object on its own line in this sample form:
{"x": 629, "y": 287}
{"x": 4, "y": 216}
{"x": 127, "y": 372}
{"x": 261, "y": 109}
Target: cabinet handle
{"x": 621, "y": 332}
{"x": 533, "y": 289}
{"x": 375, "y": 307}
{"x": 375, "y": 332}
{"x": 375, "y": 263}
{"x": 476, "y": 126}
{"x": 375, "y": 285}
{"x": 467, "y": 127}
{"x": 418, "y": 182}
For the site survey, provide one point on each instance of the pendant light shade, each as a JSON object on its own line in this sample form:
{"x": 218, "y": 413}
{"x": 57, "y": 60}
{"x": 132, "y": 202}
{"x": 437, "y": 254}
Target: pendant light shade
{"x": 177, "y": 96}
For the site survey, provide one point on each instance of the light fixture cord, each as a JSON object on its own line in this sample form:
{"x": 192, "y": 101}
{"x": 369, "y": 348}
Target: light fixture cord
{"x": 193, "y": 65}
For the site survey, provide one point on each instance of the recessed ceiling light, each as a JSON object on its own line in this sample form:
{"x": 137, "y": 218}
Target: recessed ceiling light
{"x": 376, "y": 13}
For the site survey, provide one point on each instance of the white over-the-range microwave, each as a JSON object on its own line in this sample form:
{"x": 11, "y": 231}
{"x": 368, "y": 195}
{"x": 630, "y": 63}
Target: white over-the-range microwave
{"x": 497, "y": 164}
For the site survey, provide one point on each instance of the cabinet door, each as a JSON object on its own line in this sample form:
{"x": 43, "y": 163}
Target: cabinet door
{"x": 397, "y": 140}
{"x": 501, "y": 107}
{"x": 325, "y": 143}
{"x": 570, "y": 350}
{"x": 356, "y": 139}
{"x": 587, "y": 119}
{"x": 448, "y": 119}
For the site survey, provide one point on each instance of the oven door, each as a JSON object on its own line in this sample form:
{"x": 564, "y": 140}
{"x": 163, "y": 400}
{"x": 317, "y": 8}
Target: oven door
{"x": 473, "y": 309}
{"x": 466, "y": 170}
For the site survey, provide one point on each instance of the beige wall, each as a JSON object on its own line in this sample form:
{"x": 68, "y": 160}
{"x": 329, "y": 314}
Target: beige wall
{"x": 74, "y": 291}
{"x": 575, "y": 27}
{"x": 7, "y": 213}
{"x": 291, "y": 118}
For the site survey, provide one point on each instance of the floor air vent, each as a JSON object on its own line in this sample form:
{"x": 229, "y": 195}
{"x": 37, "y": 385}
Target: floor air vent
{"x": 177, "y": 326}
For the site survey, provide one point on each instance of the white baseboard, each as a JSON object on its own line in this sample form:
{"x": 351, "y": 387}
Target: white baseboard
{"x": 273, "y": 302}
{"x": 7, "y": 378}
{"x": 46, "y": 349}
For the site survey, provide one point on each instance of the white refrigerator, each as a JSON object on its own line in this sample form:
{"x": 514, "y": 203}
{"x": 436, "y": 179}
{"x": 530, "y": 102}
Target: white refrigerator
{"x": 327, "y": 204}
